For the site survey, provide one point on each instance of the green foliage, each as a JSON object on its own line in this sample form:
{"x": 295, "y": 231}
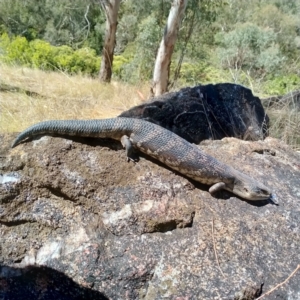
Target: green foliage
{"x": 40, "y": 54}
{"x": 64, "y": 58}
{"x": 118, "y": 65}
{"x": 82, "y": 61}
{"x": 24, "y": 18}
{"x": 190, "y": 73}
{"x": 255, "y": 44}
{"x": 14, "y": 51}
{"x": 270, "y": 59}
{"x": 63, "y": 22}
{"x": 281, "y": 85}
{"x": 140, "y": 68}
{"x": 193, "y": 73}
{"x": 284, "y": 25}
{"x": 249, "y": 47}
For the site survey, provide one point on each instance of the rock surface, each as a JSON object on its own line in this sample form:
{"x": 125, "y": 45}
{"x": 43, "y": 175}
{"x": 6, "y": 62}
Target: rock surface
{"x": 79, "y": 222}
{"x": 212, "y": 111}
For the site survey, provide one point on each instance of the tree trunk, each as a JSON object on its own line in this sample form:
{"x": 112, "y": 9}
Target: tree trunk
{"x": 111, "y": 8}
{"x": 164, "y": 54}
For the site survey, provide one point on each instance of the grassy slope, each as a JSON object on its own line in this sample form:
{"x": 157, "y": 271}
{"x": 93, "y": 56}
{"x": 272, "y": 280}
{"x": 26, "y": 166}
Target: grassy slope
{"x": 28, "y": 96}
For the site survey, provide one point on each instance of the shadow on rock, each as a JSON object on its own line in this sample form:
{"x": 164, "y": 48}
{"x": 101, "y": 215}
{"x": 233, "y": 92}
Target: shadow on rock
{"x": 43, "y": 283}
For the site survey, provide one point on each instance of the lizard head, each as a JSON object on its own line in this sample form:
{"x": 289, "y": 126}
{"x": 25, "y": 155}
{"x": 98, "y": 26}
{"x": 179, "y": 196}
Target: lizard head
{"x": 250, "y": 189}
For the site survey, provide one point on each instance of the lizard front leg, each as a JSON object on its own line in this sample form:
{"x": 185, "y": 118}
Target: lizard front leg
{"x": 130, "y": 151}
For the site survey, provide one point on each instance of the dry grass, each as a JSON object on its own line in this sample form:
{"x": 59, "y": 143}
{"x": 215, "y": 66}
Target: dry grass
{"x": 28, "y": 96}
{"x": 285, "y": 122}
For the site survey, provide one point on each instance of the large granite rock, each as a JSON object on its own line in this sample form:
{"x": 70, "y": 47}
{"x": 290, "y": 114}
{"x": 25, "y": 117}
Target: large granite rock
{"x": 207, "y": 112}
{"x": 79, "y": 222}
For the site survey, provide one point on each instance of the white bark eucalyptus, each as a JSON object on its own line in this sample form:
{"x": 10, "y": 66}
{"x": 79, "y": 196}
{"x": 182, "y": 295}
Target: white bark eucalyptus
{"x": 164, "y": 54}
{"x": 111, "y": 8}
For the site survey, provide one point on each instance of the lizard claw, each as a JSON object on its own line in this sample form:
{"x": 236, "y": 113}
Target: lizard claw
{"x": 272, "y": 198}
{"x": 133, "y": 159}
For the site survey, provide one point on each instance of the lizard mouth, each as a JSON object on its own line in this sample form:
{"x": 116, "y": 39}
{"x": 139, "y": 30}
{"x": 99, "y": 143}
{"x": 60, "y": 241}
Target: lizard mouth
{"x": 254, "y": 194}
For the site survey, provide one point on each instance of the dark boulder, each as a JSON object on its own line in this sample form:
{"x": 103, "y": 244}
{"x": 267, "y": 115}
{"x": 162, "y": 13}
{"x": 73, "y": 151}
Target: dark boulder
{"x": 207, "y": 112}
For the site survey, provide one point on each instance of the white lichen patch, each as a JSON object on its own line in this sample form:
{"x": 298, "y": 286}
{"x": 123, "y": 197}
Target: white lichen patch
{"x": 73, "y": 176}
{"x": 76, "y": 241}
{"x": 167, "y": 276}
{"x": 146, "y": 206}
{"x": 114, "y": 217}
{"x": 50, "y": 250}
{"x": 9, "y": 178}
{"x": 55, "y": 249}
{"x": 90, "y": 159}
{"x": 40, "y": 141}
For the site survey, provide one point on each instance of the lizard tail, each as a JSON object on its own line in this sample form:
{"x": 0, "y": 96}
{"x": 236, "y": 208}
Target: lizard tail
{"x": 113, "y": 128}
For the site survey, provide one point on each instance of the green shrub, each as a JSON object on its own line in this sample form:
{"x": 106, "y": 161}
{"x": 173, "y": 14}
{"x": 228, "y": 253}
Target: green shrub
{"x": 249, "y": 47}
{"x": 118, "y": 65}
{"x": 192, "y": 73}
{"x": 281, "y": 85}
{"x": 84, "y": 61}
{"x": 42, "y": 55}
{"x": 15, "y": 50}
{"x": 140, "y": 66}
{"x": 63, "y": 58}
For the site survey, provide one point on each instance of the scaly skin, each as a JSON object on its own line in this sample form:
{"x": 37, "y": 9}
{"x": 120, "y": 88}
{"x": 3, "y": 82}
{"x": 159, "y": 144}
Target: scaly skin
{"x": 161, "y": 144}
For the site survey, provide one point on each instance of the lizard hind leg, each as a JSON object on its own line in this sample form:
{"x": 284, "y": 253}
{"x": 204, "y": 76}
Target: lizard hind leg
{"x": 130, "y": 151}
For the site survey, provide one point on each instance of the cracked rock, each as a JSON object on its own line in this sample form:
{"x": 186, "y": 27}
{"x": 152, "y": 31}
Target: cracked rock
{"x": 79, "y": 222}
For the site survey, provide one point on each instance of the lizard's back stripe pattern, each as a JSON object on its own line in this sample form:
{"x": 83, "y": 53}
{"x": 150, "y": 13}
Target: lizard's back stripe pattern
{"x": 157, "y": 142}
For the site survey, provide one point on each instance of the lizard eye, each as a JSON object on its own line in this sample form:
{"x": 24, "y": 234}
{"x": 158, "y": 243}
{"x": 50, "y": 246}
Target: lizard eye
{"x": 246, "y": 190}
